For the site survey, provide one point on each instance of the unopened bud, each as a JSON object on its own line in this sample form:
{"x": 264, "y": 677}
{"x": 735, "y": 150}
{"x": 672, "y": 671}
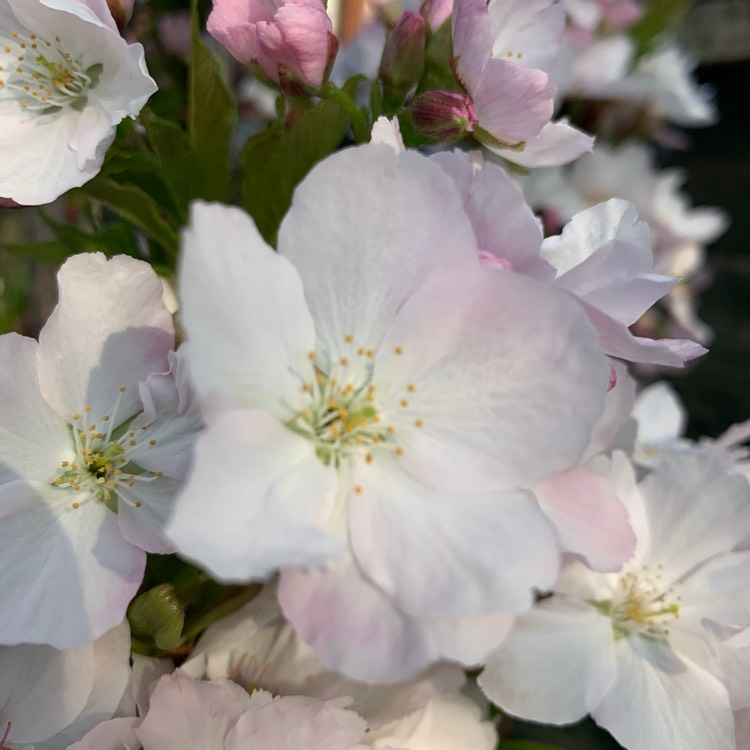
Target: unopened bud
{"x": 443, "y": 115}
{"x": 121, "y": 11}
{"x": 403, "y": 57}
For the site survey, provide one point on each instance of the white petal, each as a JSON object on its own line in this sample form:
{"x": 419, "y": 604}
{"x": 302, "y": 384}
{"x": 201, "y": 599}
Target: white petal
{"x": 556, "y": 665}
{"x": 171, "y": 413}
{"x": 187, "y": 714}
{"x": 367, "y": 228}
{"x": 143, "y": 525}
{"x": 232, "y": 282}
{"x": 111, "y": 680}
{"x": 695, "y": 510}
{"x": 147, "y": 670}
{"x": 589, "y": 517}
{"x": 558, "y": 143}
{"x": 677, "y": 704}
{"x": 42, "y": 690}
{"x": 110, "y": 329}
{"x": 258, "y": 498}
{"x": 500, "y": 397}
{"x": 95, "y": 573}
{"x": 444, "y": 723}
{"x": 296, "y": 722}
{"x": 352, "y": 626}
{"x": 467, "y": 553}
{"x": 116, "y": 734}
{"x": 660, "y": 414}
{"x": 33, "y": 439}
{"x": 388, "y": 132}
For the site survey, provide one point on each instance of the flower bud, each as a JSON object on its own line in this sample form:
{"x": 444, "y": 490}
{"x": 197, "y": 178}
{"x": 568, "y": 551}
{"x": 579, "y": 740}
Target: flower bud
{"x": 403, "y": 57}
{"x": 293, "y": 41}
{"x": 437, "y": 12}
{"x": 121, "y": 11}
{"x": 443, "y": 115}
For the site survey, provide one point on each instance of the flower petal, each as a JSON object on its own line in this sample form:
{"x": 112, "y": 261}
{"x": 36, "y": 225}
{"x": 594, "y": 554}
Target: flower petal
{"x": 231, "y": 281}
{"x": 94, "y": 576}
{"x": 33, "y": 439}
{"x": 467, "y": 553}
{"x": 367, "y": 228}
{"x": 558, "y": 143}
{"x": 484, "y": 393}
{"x": 677, "y": 704}
{"x": 110, "y": 329}
{"x": 271, "y": 500}
{"x": 556, "y": 664}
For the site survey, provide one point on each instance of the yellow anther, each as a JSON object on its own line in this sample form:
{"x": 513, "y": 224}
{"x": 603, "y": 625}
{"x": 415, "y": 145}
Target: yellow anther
{"x": 122, "y": 389}
{"x": 368, "y": 458}
{"x": 14, "y": 34}
{"x": 75, "y": 506}
{"x": 87, "y": 409}
{"x": 370, "y": 353}
{"x": 159, "y": 474}
{"x": 390, "y": 429}
{"x": 404, "y": 402}
{"x": 74, "y": 467}
{"x": 7, "y": 49}
{"x": 152, "y": 442}
{"x": 305, "y": 388}
{"x": 131, "y": 442}
{"x": 359, "y": 489}
{"x": 311, "y": 355}
{"x": 65, "y": 464}
{"x": 105, "y": 418}
{"x": 519, "y": 55}
{"x": 348, "y": 338}
{"x": 398, "y": 350}
{"x": 343, "y": 361}
{"x": 138, "y": 503}
{"x": 418, "y": 423}
{"x": 510, "y": 53}
{"x": 399, "y": 450}
{"x": 131, "y": 434}
{"x": 411, "y": 387}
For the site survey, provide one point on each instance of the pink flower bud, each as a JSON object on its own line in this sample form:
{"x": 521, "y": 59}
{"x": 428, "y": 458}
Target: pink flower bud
{"x": 291, "y": 40}
{"x": 121, "y": 11}
{"x": 403, "y": 56}
{"x": 443, "y": 115}
{"x": 437, "y": 12}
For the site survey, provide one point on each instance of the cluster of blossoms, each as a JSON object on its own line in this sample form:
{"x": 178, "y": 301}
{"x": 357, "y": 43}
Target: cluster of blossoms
{"x": 389, "y": 438}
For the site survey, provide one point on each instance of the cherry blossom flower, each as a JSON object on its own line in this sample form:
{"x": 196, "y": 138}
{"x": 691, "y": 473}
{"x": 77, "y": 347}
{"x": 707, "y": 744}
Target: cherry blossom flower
{"x": 87, "y": 432}
{"x": 51, "y": 698}
{"x": 194, "y": 715}
{"x": 383, "y": 389}
{"x": 66, "y": 79}
{"x": 291, "y": 40}
{"x": 504, "y": 54}
{"x": 652, "y": 640}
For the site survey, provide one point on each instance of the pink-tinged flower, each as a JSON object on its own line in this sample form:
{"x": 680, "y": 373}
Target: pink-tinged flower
{"x": 92, "y": 452}
{"x": 52, "y": 698}
{"x": 603, "y": 258}
{"x": 504, "y": 54}
{"x": 377, "y": 392}
{"x": 66, "y": 79}
{"x": 513, "y": 102}
{"x": 658, "y": 640}
{"x": 194, "y": 715}
{"x": 293, "y": 41}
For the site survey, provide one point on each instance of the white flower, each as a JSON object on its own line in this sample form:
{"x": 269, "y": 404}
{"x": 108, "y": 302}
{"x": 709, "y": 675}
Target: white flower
{"x": 645, "y": 651}
{"x": 72, "y": 452}
{"x": 66, "y": 79}
{"x": 51, "y": 698}
{"x": 373, "y": 387}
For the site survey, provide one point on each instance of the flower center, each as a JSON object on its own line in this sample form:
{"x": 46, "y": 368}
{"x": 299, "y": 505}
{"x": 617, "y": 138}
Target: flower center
{"x": 41, "y": 75}
{"x": 642, "y": 604}
{"x": 342, "y": 416}
{"x": 104, "y": 467}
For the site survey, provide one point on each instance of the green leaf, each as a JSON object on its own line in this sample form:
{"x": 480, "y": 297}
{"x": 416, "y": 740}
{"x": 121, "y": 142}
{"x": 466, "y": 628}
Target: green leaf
{"x": 180, "y": 166}
{"x": 136, "y": 206}
{"x": 275, "y": 160}
{"x": 157, "y": 617}
{"x": 525, "y": 745}
{"x": 54, "y": 251}
{"x": 212, "y": 115}
{"x": 658, "y": 16}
